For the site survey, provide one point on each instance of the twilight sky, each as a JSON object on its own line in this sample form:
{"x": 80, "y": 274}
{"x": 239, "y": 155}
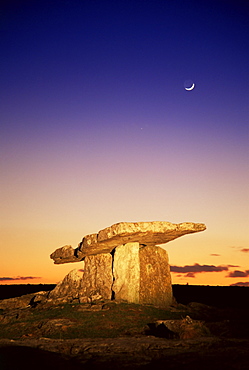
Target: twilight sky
{"x": 96, "y": 128}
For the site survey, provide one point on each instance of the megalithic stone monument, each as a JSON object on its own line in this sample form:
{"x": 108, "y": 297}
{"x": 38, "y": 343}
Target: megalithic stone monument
{"x": 123, "y": 261}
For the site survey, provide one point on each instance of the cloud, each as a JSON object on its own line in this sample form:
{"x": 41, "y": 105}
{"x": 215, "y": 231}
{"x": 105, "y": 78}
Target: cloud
{"x": 240, "y": 249}
{"x": 18, "y": 278}
{"x": 233, "y": 266}
{"x": 190, "y": 274}
{"x": 238, "y": 273}
{"x": 215, "y": 254}
{"x": 241, "y": 283}
{"x": 198, "y": 268}
{"x": 191, "y": 270}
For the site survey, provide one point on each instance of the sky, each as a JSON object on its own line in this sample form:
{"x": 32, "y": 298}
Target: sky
{"x": 97, "y": 128}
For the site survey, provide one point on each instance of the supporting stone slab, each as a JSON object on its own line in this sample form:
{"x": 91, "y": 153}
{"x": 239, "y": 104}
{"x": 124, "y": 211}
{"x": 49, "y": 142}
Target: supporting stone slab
{"x": 142, "y": 275}
{"x": 155, "y": 278}
{"x": 126, "y": 271}
{"x": 97, "y": 277}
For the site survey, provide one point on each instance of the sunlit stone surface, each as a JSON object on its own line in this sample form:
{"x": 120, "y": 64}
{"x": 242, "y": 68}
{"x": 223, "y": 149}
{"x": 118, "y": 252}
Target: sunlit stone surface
{"x": 126, "y": 272}
{"x": 155, "y": 279}
{"x": 144, "y": 233}
{"x": 97, "y": 277}
{"x": 123, "y": 262}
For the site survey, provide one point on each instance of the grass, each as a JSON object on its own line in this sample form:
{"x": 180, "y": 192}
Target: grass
{"x": 67, "y": 321}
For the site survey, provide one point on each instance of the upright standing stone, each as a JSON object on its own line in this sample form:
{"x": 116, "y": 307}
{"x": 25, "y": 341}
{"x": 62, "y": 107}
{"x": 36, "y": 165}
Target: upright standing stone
{"x": 97, "y": 277}
{"x": 126, "y": 271}
{"x": 155, "y": 279}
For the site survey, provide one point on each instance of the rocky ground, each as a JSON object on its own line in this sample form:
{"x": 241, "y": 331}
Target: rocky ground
{"x": 105, "y": 335}
{"x": 125, "y": 353}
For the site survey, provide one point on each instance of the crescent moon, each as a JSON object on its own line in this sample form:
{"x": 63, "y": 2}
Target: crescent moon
{"x": 190, "y": 88}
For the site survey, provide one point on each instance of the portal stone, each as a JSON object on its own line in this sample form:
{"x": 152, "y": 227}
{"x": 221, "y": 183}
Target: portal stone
{"x": 126, "y": 271}
{"x": 155, "y": 279}
{"x": 97, "y": 277}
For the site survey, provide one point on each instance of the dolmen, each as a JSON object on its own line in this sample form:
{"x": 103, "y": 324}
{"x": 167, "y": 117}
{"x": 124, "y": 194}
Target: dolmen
{"x": 124, "y": 262}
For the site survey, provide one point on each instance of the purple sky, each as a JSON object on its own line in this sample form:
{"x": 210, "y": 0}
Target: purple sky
{"x": 96, "y": 127}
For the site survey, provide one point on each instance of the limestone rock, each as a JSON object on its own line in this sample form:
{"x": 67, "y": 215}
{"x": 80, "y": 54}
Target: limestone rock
{"x": 39, "y": 297}
{"x": 142, "y": 275}
{"x": 186, "y": 328}
{"x": 64, "y": 255}
{"x": 126, "y": 271}
{"x": 97, "y": 278}
{"x": 144, "y": 233}
{"x": 155, "y": 279}
{"x": 17, "y": 302}
{"x": 49, "y": 327}
{"x": 68, "y": 288}
{"x": 122, "y": 262}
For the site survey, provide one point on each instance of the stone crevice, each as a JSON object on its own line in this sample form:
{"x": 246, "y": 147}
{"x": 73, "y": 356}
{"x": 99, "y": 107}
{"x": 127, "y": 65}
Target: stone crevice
{"x": 112, "y": 291}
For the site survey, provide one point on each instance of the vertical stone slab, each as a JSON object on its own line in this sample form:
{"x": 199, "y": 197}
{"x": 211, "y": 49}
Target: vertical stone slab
{"x": 155, "y": 279}
{"x": 97, "y": 276}
{"x": 126, "y": 272}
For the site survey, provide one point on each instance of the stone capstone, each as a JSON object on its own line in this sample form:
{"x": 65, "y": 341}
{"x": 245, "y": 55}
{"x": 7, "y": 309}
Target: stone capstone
{"x": 65, "y": 254}
{"x": 144, "y": 233}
